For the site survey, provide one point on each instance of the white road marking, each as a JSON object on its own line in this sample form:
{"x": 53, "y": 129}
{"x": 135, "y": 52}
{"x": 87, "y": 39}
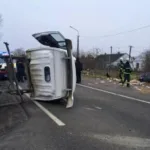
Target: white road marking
{"x": 47, "y": 112}
{"x": 98, "y": 107}
{"x": 53, "y": 117}
{"x": 89, "y": 108}
{"x": 116, "y": 94}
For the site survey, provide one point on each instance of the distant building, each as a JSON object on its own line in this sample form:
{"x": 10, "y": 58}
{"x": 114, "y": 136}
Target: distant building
{"x": 106, "y": 60}
{"x": 138, "y": 62}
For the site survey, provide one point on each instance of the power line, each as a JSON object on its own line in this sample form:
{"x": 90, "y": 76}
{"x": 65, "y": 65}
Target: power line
{"x": 110, "y": 35}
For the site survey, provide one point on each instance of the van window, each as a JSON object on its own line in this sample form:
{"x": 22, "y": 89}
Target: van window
{"x": 47, "y": 74}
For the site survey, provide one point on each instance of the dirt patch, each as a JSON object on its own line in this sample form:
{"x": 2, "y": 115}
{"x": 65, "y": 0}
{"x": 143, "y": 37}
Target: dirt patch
{"x": 129, "y": 142}
{"x": 10, "y": 117}
{"x": 11, "y": 111}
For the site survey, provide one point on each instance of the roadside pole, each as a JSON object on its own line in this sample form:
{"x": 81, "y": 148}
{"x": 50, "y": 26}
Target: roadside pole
{"x": 78, "y": 36}
{"x": 130, "y": 50}
{"x": 13, "y": 71}
{"x": 110, "y": 58}
{"x": 78, "y": 54}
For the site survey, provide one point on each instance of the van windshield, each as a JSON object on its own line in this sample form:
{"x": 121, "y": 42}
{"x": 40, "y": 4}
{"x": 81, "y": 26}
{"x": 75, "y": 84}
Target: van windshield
{"x": 51, "y": 38}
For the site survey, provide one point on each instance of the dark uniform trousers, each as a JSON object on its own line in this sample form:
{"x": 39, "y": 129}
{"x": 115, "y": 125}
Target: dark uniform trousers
{"x": 121, "y": 75}
{"x": 78, "y": 75}
{"x": 127, "y": 74}
{"x": 127, "y": 79}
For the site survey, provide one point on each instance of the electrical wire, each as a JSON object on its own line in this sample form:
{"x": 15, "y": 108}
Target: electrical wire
{"x": 124, "y": 32}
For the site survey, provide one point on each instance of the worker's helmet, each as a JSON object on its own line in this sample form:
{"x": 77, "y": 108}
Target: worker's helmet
{"x": 121, "y": 59}
{"x": 127, "y": 59}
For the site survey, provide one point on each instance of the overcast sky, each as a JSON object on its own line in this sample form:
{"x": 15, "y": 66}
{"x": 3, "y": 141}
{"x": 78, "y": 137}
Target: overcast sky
{"x": 93, "y": 18}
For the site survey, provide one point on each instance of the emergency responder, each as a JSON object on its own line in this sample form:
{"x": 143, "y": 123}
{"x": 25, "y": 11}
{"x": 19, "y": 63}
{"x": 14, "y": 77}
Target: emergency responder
{"x": 20, "y": 70}
{"x": 121, "y": 70}
{"x": 127, "y": 72}
{"x": 78, "y": 70}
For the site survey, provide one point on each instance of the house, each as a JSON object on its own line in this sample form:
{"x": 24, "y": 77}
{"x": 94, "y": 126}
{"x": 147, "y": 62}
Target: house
{"x": 138, "y": 62}
{"x": 106, "y": 60}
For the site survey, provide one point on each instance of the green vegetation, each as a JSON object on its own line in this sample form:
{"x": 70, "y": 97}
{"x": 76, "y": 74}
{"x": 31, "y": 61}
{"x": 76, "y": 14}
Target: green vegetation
{"x": 102, "y": 74}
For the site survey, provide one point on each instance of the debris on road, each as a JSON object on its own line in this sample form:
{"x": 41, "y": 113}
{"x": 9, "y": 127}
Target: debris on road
{"x": 141, "y": 86}
{"x": 135, "y": 82}
{"x": 102, "y": 81}
{"x": 137, "y": 85}
{"x": 115, "y": 79}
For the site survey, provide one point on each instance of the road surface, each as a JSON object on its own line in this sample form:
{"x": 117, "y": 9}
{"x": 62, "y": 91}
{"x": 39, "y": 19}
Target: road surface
{"x": 105, "y": 119}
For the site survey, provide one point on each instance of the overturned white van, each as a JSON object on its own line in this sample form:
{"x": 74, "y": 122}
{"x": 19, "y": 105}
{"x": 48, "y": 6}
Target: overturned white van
{"x": 52, "y": 68}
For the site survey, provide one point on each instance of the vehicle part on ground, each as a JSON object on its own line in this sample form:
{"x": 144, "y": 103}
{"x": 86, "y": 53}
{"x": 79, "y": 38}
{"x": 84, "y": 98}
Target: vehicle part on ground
{"x": 12, "y": 69}
{"x": 50, "y": 70}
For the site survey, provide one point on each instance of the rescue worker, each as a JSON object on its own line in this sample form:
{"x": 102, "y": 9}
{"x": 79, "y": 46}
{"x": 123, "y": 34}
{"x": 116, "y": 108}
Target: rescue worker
{"x": 127, "y": 73}
{"x": 78, "y": 70}
{"x": 121, "y": 70}
{"x": 20, "y": 70}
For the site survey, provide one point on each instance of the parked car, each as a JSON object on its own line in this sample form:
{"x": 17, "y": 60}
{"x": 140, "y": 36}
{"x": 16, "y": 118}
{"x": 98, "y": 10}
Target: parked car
{"x": 145, "y": 77}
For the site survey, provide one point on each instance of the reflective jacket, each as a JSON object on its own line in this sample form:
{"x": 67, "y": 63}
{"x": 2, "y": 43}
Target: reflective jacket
{"x": 127, "y": 68}
{"x": 121, "y": 67}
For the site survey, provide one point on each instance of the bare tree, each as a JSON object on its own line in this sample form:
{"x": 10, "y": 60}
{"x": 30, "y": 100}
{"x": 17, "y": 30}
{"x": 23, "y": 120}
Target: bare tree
{"x": 95, "y": 52}
{"x": 19, "y": 52}
{"x": 82, "y": 53}
{"x": 146, "y": 61}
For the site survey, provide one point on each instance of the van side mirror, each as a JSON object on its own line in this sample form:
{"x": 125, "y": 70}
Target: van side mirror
{"x": 68, "y": 44}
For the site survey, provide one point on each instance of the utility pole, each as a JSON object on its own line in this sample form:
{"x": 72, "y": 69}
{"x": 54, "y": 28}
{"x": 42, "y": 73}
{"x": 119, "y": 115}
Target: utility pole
{"x": 130, "y": 50}
{"x": 110, "y": 54}
{"x": 97, "y": 50}
{"x": 77, "y": 40}
{"x": 110, "y": 58}
{"x": 78, "y": 46}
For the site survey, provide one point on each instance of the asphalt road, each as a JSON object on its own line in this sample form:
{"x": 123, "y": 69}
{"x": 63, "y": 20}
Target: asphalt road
{"x": 98, "y": 120}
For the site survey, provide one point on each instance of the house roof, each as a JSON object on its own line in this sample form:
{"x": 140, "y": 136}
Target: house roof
{"x": 114, "y": 57}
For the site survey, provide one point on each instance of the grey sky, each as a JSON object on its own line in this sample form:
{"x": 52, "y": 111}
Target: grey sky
{"x": 92, "y": 18}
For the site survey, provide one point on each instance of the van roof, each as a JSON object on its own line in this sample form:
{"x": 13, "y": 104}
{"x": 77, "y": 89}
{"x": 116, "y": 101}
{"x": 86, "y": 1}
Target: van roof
{"x": 46, "y": 48}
